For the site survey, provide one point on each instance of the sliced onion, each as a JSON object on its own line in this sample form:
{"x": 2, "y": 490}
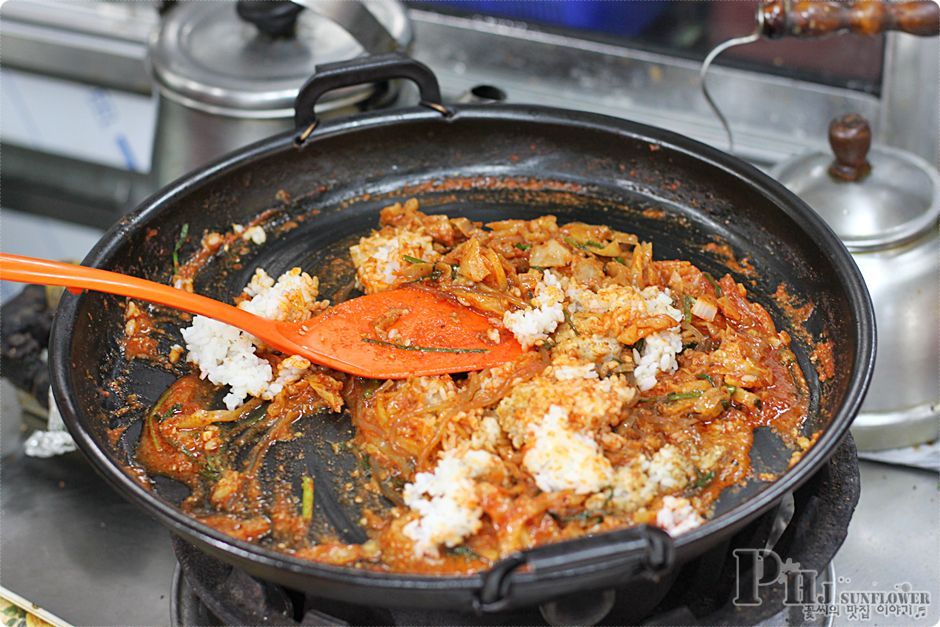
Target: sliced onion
{"x": 550, "y": 254}
{"x": 704, "y": 309}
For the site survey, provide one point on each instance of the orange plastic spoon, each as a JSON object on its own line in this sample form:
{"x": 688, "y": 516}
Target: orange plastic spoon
{"x": 435, "y": 335}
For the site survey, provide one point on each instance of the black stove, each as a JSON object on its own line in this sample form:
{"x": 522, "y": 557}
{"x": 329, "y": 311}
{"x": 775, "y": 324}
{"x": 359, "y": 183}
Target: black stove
{"x": 806, "y": 529}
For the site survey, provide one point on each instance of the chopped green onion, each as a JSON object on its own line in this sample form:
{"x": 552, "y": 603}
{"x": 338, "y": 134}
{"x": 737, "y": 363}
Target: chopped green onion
{"x": 673, "y": 397}
{"x": 714, "y": 283}
{"x": 687, "y": 308}
{"x": 707, "y": 377}
{"x": 575, "y": 243}
{"x": 463, "y": 551}
{"x": 583, "y": 245}
{"x": 436, "y": 274}
{"x": 424, "y": 349}
{"x": 212, "y": 468}
{"x": 586, "y": 516}
{"x": 570, "y": 321}
{"x": 188, "y": 453}
{"x": 411, "y": 259}
{"x": 153, "y": 435}
{"x": 172, "y": 410}
{"x": 523, "y": 246}
{"x": 730, "y": 389}
{"x": 620, "y": 261}
{"x": 209, "y": 475}
{"x": 306, "y": 507}
{"x": 184, "y": 231}
{"x": 704, "y": 479}
{"x": 682, "y": 396}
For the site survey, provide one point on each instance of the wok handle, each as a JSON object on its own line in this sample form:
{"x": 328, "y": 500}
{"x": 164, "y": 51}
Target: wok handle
{"x": 641, "y": 551}
{"x": 807, "y": 19}
{"x": 330, "y": 76}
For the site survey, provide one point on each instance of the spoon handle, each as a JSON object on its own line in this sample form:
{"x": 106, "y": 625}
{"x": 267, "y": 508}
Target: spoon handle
{"x": 31, "y": 270}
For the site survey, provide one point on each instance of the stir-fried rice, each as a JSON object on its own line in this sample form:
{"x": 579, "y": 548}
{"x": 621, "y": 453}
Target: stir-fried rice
{"x": 634, "y": 401}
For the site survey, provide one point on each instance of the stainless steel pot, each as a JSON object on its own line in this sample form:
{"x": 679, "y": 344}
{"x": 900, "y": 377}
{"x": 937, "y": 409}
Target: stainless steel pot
{"x": 884, "y": 204}
{"x": 227, "y": 73}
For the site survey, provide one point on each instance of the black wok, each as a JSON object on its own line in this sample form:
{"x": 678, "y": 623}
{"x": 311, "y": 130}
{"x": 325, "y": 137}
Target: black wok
{"x": 324, "y": 185}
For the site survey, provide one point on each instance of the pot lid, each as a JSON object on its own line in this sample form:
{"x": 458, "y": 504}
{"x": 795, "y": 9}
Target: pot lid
{"x": 871, "y": 199}
{"x": 251, "y": 58}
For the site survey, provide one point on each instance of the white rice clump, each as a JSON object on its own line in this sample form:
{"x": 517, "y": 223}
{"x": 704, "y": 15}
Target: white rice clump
{"x": 226, "y": 355}
{"x": 668, "y": 469}
{"x": 580, "y": 371}
{"x": 563, "y": 459}
{"x": 446, "y": 500}
{"x": 380, "y": 258}
{"x": 659, "y": 349}
{"x": 638, "y": 481}
{"x": 677, "y": 516}
{"x": 487, "y": 435}
{"x": 255, "y": 234}
{"x": 535, "y": 323}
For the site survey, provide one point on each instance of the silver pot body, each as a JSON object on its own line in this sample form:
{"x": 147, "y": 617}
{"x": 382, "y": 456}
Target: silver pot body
{"x": 189, "y": 135}
{"x": 226, "y": 80}
{"x": 889, "y": 222}
{"x": 903, "y": 403}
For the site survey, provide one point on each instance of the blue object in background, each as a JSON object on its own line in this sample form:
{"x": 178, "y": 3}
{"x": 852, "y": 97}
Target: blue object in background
{"x": 616, "y": 17}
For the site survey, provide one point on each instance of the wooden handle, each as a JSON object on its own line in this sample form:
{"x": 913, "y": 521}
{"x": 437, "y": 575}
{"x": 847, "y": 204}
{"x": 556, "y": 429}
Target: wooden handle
{"x": 850, "y": 139}
{"x": 813, "y": 18}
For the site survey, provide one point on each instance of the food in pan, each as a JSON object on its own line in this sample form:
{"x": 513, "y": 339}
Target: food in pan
{"x": 634, "y": 402}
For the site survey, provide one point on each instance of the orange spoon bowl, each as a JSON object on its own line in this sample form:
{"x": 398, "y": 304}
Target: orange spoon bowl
{"x": 425, "y": 332}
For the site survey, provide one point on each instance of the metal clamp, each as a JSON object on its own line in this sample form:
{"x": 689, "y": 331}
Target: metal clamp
{"x": 641, "y": 551}
{"x": 358, "y": 21}
{"x": 375, "y": 69}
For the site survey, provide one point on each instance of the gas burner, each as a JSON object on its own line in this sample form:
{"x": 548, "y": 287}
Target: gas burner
{"x": 807, "y": 528}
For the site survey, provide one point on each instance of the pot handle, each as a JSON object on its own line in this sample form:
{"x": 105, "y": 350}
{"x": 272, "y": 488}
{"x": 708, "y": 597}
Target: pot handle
{"x": 637, "y": 551}
{"x": 850, "y": 139}
{"x": 814, "y": 18}
{"x": 330, "y": 76}
{"x": 274, "y": 18}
